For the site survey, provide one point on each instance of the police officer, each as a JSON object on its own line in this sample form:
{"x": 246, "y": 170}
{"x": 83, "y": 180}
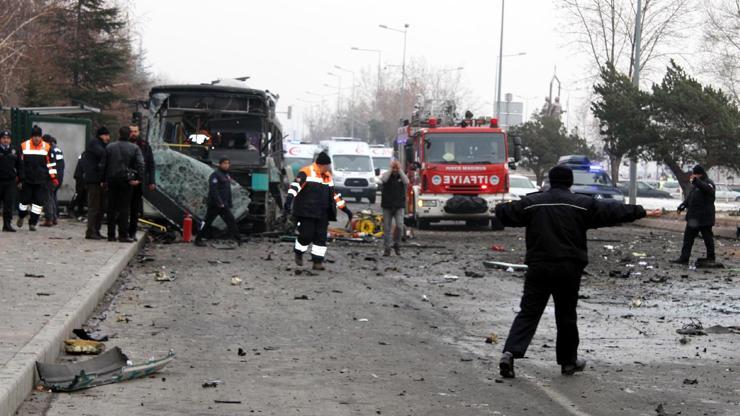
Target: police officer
{"x": 699, "y": 204}
{"x": 315, "y": 205}
{"x": 219, "y": 203}
{"x": 51, "y": 209}
{"x": 36, "y": 172}
{"x": 556, "y": 221}
{"x": 9, "y": 171}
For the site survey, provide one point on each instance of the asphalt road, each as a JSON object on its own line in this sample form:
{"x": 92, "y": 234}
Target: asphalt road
{"x": 374, "y": 335}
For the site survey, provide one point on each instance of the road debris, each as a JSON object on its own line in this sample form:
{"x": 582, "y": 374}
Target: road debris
{"x": 450, "y": 277}
{"x": 660, "y": 411}
{"x": 96, "y": 336}
{"x": 498, "y": 247}
{"x": 301, "y": 297}
{"x": 163, "y": 276}
{"x": 81, "y": 346}
{"x": 492, "y": 339}
{"x": 690, "y": 381}
{"x": 692, "y": 328}
{"x": 35, "y": 276}
{"x": 240, "y": 352}
{"x": 110, "y": 367}
{"x": 228, "y": 401}
{"x": 505, "y": 266}
{"x": 235, "y": 281}
{"x": 474, "y": 274}
{"x": 212, "y": 384}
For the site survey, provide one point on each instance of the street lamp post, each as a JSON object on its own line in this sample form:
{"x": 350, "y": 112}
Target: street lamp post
{"x": 497, "y": 80}
{"x": 403, "y": 66}
{"x": 351, "y": 122}
{"x": 500, "y": 63}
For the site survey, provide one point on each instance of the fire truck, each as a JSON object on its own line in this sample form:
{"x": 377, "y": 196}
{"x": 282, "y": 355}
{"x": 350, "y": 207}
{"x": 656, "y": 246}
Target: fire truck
{"x": 458, "y": 170}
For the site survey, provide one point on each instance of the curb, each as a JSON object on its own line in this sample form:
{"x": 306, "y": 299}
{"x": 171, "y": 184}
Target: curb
{"x": 18, "y": 376}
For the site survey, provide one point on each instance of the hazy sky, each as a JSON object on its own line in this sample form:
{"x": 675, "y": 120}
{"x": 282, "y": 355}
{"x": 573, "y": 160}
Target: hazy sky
{"x": 289, "y": 46}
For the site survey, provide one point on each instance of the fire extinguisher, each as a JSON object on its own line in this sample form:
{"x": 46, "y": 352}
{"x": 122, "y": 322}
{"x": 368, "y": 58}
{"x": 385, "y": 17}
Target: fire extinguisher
{"x": 187, "y": 228}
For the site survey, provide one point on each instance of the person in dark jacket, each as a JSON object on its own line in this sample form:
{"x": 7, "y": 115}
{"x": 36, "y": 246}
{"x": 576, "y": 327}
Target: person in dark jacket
{"x": 149, "y": 183}
{"x": 10, "y": 165}
{"x": 51, "y": 209}
{"x": 97, "y": 197}
{"x": 393, "y": 202}
{"x": 219, "y": 203}
{"x": 35, "y": 173}
{"x": 123, "y": 169}
{"x": 557, "y": 221}
{"x": 699, "y": 206}
{"x": 79, "y": 199}
{"x": 315, "y": 205}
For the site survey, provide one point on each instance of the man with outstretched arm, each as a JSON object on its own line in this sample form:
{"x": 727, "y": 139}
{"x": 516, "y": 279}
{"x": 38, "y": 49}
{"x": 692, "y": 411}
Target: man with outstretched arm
{"x": 557, "y": 221}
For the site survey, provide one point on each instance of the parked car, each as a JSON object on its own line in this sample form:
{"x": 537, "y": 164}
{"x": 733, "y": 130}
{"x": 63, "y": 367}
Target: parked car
{"x": 520, "y": 186}
{"x": 644, "y": 190}
{"x": 673, "y": 188}
{"x": 725, "y": 193}
{"x": 589, "y": 179}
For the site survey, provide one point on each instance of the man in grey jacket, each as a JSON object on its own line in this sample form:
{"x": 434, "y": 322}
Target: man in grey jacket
{"x": 123, "y": 169}
{"x": 393, "y": 202}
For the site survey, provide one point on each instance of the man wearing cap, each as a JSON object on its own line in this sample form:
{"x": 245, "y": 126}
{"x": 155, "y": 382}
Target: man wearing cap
{"x": 35, "y": 173}
{"x": 219, "y": 203}
{"x": 699, "y": 206}
{"x": 314, "y": 203}
{"x": 557, "y": 221}
{"x": 9, "y": 171}
{"x": 92, "y": 174}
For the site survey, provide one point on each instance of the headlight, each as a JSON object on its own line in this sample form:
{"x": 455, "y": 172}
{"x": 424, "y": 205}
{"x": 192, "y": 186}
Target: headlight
{"x": 422, "y": 203}
{"x": 618, "y": 197}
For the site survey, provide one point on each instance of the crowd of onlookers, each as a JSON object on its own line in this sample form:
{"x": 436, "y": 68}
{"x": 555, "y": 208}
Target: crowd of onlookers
{"x": 110, "y": 178}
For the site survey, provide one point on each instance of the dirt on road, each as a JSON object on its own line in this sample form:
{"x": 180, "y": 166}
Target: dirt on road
{"x": 406, "y": 335}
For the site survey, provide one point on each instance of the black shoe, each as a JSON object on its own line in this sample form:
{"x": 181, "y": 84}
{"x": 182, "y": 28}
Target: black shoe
{"x": 94, "y": 237}
{"x": 387, "y": 252}
{"x": 397, "y": 249}
{"x": 317, "y": 265}
{"x": 7, "y": 228}
{"x": 31, "y": 227}
{"x": 680, "y": 261}
{"x": 570, "y": 369}
{"x": 19, "y": 223}
{"x": 506, "y": 365}
{"x": 126, "y": 240}
{"x": 298, "y": 259}
{"x": 199, "y": 243}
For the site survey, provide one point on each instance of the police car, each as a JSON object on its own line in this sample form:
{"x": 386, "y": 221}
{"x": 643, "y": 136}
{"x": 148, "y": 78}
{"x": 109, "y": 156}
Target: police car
{"x": 589, "y": 179}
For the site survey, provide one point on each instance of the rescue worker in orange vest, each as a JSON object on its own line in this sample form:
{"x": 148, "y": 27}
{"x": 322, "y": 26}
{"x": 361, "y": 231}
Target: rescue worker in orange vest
{"x": 36, "y": 171}
{"x": 315, "y": 205}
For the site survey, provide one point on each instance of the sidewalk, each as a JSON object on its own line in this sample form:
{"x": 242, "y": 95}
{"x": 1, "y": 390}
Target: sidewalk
{"x": 724, "y": 228}
{"x": 39, "y": 312}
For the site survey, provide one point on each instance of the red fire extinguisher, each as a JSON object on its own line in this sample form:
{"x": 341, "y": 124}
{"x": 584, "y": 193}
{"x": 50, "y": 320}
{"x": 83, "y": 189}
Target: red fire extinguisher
{"x": 187, "y": 228}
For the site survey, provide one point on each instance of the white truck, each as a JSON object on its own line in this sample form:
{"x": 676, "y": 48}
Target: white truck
{"x": 352, "y": 164}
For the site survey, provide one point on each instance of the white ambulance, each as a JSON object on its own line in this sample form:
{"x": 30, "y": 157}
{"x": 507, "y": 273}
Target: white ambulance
{"x": 352, "y": 165}
{"x": 298, "y": 155}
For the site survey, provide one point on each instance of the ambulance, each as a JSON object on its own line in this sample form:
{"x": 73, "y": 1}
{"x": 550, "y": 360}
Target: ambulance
{"x": 355, "y": 175}
{"x": 298, "y": 155}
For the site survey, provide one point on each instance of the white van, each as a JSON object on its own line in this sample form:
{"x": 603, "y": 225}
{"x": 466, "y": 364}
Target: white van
{"x": 298, "y": 155}
{"x": 354, "y": 173}
{"x": 382, "y": 156}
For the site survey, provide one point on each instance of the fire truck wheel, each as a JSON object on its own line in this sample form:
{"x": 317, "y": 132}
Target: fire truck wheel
{"x": 496, "y": 224}
{"x": 476, "y": 223}
{"x": 358, "y": 199}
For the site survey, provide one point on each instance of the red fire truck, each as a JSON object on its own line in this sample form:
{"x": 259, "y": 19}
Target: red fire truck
{"x": 458, "y": 171}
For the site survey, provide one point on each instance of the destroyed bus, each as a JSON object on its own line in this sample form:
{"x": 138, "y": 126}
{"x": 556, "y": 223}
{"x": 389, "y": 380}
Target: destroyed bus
{"x": 191, "y": 127}
{"x": 457, "y": 170}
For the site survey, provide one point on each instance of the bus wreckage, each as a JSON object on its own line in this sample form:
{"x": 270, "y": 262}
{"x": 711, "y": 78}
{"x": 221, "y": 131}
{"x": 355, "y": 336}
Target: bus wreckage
{"x": 191, "y": 127}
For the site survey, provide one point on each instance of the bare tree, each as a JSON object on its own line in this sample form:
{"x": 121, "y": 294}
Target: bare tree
{"x": 722, "y": 43}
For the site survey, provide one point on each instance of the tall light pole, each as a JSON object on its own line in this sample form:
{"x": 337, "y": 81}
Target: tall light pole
{"x": 352, "y": 119}
{"x": 403, "y": 66}
{"x": 497, "y": 79}
{"x": 500, "y": 63}
{"x": 636, "y": 83}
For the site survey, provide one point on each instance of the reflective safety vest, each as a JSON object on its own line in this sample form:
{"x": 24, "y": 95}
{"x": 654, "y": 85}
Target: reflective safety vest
{"x": 314, "y": 194}
{"x": 38, "y": 167}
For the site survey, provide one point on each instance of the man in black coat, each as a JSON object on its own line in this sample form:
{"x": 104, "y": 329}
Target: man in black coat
{"x": 149, "y": 182}
{"x": 393, "y": 202}
{"x": 93, "y": 177}
{"x": 123, "y": 169}
{"x": 10, "y": 165}
{"x": 219, "y": 203}
{"x": 557, "y": 221}
{"x": 699, "y": 204}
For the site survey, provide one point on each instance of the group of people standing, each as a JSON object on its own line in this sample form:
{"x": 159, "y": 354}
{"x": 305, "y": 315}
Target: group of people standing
{"x": 115, "y": 175}
{"x": 112, "y": 175}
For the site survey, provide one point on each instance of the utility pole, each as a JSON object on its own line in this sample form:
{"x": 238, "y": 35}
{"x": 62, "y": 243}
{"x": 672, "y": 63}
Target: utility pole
{"x": 500, "y": 63}
{"x": 636, "y": 83}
